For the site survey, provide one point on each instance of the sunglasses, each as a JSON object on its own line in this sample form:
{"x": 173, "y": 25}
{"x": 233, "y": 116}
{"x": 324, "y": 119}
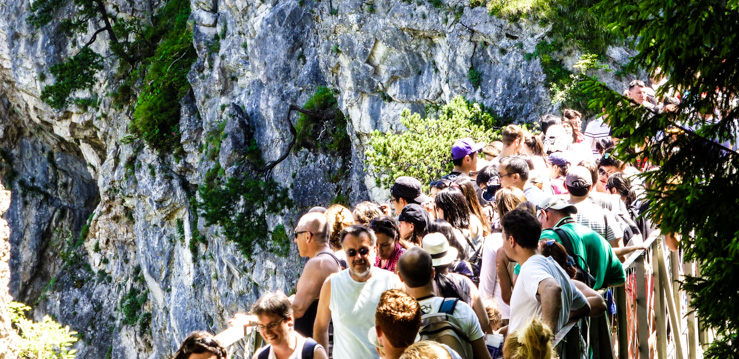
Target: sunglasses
{"x": 353, "y": 252}
{"x": 270, "y": 326}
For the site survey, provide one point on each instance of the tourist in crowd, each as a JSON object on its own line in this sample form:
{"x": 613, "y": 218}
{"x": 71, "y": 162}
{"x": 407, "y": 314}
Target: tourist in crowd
{"x": 532, "y": 341}
{"x": 455, "y": 239}
{"x": 349, "y": 298}
{"x": 312, "y": 239}
{"x": 427, "y": 349}
{"x": 406, "y": 190}
{"x": 416, "y": 270}
{"x": 542, "y": 289}
{"x": 364, "y": 212}
{"x": 452, "y": 285}
{"x": 496, "y": 274}
{"x": 559, "y": 164}
{"x": 397, "y": 321}
{"x": 513, "y": 138}
{"x": 547, "y": 120}
{"x": 388, "y": 243}
{"x": 201, "y": 345}
{"x": 514, "y": 172}
{"x": 575, "y": 120}
{"x": 275, "y": 322}
{"x": 464, "y": 157}
{"x": 479, "y": 225}
{"x": 338, "y": 217}
{"x": 451, "y": 206}
{"x": 412, "y": 223}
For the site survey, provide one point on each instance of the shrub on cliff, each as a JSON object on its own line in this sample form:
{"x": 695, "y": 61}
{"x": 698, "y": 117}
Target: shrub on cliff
{"x": 423, "y": 151}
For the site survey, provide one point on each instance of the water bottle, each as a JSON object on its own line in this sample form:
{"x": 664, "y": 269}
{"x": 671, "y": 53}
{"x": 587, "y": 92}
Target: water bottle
{"x": 494, "y": 342}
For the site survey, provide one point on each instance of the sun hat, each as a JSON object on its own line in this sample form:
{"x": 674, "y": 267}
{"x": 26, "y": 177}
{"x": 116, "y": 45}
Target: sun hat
{"x": 438, "y": 247}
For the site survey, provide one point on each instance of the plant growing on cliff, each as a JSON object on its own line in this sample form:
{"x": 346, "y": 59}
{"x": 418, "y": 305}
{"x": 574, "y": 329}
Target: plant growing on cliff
{"x": 323, "y": 125}
{"x": 155, "y": 62}
{"x": 44, "y": 339}
{"x": 423, "y": 151}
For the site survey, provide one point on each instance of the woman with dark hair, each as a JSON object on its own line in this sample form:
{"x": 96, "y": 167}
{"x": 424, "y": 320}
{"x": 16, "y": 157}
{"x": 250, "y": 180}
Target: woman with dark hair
{"x": 550, "y": 248}
{"x": 412, "y": 223}
{"x": 534, "y": 149}
{"x": 477, "y": 218}
{"x": 559, "y": 164}
{"x": 201, "y": 345}
{"x": 451, "y": 206}
{"x": 453, "y": 285}
{"x": 388, "y": 245}
{"x": 454, "y": 237}
{"x": 620, "y": 185}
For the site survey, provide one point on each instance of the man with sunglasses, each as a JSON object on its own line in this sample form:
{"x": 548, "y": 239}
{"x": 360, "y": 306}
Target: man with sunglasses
{"x": 349, "y": 298}
{"x": 312, "y": 238}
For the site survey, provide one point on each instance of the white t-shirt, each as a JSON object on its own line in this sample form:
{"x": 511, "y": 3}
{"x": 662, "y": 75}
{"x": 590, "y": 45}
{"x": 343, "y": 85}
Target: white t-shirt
{"x": 489, "y": 282}
{"x": 525, "y": 300}
{"x": 353, "y": 305}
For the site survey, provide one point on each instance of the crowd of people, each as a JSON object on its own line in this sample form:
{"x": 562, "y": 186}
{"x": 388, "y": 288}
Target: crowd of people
{"x": 522, "y": 237}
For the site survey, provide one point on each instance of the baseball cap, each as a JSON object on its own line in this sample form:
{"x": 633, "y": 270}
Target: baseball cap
{"x": 578, "y": 177}
{"x": 414, "y": 213}
{"x": 464, "y": 147}
{"x": 408, "y": 188}
{"x": 557, "y": 203}
{"x": 558, "y": 158}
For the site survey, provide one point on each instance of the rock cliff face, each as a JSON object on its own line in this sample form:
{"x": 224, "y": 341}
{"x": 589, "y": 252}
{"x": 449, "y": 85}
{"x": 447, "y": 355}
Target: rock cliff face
{"x": 99, "y": 227}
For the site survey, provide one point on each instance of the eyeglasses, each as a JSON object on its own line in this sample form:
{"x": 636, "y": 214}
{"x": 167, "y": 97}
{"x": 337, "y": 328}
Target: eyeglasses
{"x": 297, "y": 233}
{"x": 353, "y": 252}
{"x": 270, "y": 326}
{"x": 504, "y": 175}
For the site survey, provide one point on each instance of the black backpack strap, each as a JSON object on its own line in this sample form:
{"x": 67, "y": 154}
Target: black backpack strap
{"x": 567, "y": 243}
{"x": 308, "y": 348}
{"x": 447, "y": 305}
{"x": 264, "y": 354}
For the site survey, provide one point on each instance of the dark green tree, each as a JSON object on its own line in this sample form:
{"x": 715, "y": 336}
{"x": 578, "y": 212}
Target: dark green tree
{"x": 695, "y": 190}
{"x": 154, "y": 62}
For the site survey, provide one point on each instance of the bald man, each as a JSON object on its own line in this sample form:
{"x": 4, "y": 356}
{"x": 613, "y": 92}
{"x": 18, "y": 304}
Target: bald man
{"x": 311, "y": 236}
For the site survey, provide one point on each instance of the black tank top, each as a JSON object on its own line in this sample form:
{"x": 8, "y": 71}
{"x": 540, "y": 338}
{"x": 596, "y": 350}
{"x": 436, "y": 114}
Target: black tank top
{"x": 304, "y": 324}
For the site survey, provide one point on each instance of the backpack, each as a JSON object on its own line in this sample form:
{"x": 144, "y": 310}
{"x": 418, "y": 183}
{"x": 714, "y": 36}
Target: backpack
{"x": 442, "y": 327}
{"x": 583, "y": 274}
{"x": 475, "y": 261}
{"x": 307, "y": 352}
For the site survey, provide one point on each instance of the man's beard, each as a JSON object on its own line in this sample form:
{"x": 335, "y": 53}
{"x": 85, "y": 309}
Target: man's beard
{"x": 364, "y": 274}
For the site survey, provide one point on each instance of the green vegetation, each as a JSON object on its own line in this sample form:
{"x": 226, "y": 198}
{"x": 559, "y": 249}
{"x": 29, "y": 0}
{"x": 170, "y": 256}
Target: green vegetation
{"x": 474, "y": 77}
{"x": 76, "y": 73}
{"x": 240, "y": 207}
{"x": 44, "y": 339}
{"x": 132, "y": 304}
{"x": 574, "y": 24}
{"x": 695, "y": 191}
{"x": 157, "y": 113}
{"x": 154, "y": 62}
{"x": 423, "y": 151}
{"x": 326, "y": 129}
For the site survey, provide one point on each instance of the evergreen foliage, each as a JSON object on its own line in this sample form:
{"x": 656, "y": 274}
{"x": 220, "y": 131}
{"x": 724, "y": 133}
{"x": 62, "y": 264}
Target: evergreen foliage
{"x": 240, "y": 207}
{"x": 71, "y": 75}
{"x": 695, "y": 191}
{"x": 423, "y": 151}
{"x": 315, "y": 132}
{"x": 44, "y": 339}
{"x": 157, "y": 114}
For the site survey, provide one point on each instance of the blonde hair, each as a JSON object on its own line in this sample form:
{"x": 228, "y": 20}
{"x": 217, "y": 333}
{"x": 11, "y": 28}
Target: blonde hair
{"x": 364, "y": 212}
{"x": 533, "y": 341}
{"x": 493, "y": 311}
{"x": 511, "y": 133}
{"x": 338, "y": 217}
{"x": 507, "y": 199}
{"x": 426, "y": 349}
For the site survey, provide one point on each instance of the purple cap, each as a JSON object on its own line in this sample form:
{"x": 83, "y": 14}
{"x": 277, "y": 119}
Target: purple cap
{"x": 558, "y": 158}
{"x": 464, "y": 147}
